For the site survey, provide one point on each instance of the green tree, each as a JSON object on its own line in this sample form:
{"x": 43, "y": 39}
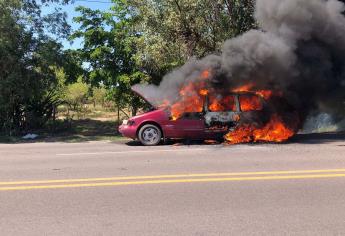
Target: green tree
{"x": 76, "y": 95}
{"x": 99, "y": 95}
{"x": 175, "y": 30}
{"x": 139, "y": 41}
{"x": 110, "y": 43}
{"x": 28, "y": 62}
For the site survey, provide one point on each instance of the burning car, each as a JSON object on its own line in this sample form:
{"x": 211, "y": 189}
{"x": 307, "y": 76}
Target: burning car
{"x": 290, "y": 68}
{"x": 212, "y": 117}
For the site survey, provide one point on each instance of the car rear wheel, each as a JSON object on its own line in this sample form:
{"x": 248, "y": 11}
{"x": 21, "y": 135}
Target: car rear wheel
{"x": 150, "y": 135}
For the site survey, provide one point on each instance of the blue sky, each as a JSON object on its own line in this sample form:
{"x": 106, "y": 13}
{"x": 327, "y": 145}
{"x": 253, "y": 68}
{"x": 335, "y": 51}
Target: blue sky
{"x": 70, "y": 10}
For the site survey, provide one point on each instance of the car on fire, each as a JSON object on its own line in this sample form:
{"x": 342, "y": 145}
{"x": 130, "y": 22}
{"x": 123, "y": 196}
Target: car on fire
{"x": 218, "y": 117}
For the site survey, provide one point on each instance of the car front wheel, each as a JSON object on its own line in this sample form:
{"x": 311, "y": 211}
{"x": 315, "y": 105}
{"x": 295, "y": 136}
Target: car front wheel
{"x": 150, "y": 135}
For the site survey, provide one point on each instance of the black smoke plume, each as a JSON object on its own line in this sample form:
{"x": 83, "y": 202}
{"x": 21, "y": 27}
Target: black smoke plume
{"x": 299, "y": 50}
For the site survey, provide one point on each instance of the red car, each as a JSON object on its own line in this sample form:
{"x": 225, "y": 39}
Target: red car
{"x": 150, "y": 128}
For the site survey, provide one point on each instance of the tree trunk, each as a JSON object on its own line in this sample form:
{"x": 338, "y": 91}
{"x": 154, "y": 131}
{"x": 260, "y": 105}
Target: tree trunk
{"x": 118, "y": 115}
{"x": 134, "y": 110}
{"x": 54, "y": 118}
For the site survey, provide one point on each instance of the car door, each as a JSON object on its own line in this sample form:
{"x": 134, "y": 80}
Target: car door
{"x": 251, "y": 107}
{"x": 192, "y": 124}
{"x": 189, "y": 125}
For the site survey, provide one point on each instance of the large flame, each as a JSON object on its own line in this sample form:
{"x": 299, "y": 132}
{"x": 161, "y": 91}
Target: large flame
{"x": 192, "y": 99}
{"x": 222, "y": 103}
{"x": 274, "y": 131}
{"x": 266, "y": 94}
{"x": 250, "y": 103}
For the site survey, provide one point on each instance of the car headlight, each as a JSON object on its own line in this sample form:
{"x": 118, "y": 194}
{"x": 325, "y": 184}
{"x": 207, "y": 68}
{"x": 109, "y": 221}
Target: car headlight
{"x": 130, "y": 122}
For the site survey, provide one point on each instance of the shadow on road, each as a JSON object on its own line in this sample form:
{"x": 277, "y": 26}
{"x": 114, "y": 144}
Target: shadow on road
{"x": 316, "y": 138}
{"x": 175, "y": 143}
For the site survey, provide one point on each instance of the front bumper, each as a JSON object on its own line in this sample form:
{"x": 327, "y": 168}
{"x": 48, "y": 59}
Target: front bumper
{"x": 128, "y": 131}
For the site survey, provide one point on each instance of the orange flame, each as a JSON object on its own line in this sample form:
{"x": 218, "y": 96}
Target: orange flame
{"x": 250, "y": 103}
{"x": 226, "y": 103}
{"x": 242, "y": 134}
{"x": 274, "y": 131}
{"x": 192, "y": 100}
{"x": 244, "y": 88}
{"x": 266, "y": 94}
{"x": 205, "y": 74}
{"x": 191, "y": 97}
{"x": 203, "y": 92}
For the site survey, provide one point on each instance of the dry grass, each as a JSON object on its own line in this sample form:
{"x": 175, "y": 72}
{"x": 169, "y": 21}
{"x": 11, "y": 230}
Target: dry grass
{"x": 98, "y": 124}
{"x": 89, "y": 111}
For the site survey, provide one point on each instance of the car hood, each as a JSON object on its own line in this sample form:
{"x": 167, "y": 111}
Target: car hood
{"x": 150, "y": 115}
{"x": 137, "y": 89}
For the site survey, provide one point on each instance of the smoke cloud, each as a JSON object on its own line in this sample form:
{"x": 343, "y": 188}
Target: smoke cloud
{"x": 299, "y": 49}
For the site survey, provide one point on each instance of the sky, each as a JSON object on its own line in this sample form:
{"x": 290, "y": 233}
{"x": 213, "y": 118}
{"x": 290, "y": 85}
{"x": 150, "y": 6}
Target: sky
{"x": 70, "y": 10}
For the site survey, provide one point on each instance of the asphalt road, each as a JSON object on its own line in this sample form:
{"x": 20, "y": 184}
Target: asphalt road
{"x": 104, "y": 188}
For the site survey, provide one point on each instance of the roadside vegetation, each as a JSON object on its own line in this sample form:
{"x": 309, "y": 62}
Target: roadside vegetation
{"x": 84, "y": 93}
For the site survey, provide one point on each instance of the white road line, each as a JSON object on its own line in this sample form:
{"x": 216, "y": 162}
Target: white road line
{"x": 128, "y": 152}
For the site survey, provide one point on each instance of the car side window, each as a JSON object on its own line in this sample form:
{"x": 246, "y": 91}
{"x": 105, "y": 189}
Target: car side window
{"x": 192, "y": 116}
{"x": 190, "y": 111}
{"x": 250, "y": 103}
{"x": 221, "y": 103}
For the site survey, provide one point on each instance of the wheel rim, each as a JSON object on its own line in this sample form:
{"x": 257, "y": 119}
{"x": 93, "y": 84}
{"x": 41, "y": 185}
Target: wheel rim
{"x": 150, "y": 135}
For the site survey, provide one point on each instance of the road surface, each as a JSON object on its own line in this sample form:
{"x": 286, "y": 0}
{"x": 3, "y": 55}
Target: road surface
{"x": 108, "y": 188}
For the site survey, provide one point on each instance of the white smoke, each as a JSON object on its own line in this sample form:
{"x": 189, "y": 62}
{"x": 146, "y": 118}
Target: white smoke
{"x": 322, "y": 123}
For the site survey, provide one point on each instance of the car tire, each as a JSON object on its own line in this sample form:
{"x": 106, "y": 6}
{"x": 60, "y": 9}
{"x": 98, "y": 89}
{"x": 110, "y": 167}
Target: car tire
{"x": 150, "y": 135}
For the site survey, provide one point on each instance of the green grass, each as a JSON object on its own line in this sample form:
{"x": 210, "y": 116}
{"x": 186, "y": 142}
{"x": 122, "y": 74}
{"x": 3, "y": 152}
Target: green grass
{"x": 9, "y": 139}
{"x": 90, "y": 112}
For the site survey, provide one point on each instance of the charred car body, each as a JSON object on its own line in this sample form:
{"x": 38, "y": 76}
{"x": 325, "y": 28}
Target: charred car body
{"x": 220, "y": 114}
